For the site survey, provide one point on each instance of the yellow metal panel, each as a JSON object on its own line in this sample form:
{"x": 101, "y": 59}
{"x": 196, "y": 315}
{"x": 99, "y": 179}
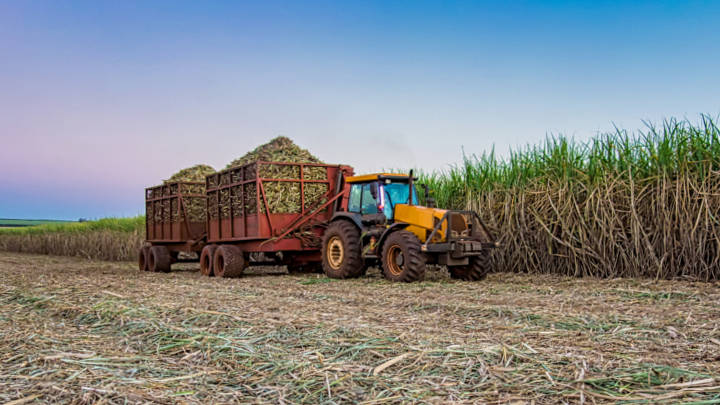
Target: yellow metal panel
{"x": 370, "y": 177}
{"x": 421, "y": 220}
{"x": 421, "y": 233}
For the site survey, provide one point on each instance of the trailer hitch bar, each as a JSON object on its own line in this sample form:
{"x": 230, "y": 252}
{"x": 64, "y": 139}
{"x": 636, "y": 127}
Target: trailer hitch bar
{"x": 302, "y": 219}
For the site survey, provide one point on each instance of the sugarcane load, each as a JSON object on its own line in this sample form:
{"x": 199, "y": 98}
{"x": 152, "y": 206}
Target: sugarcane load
{"x": 280, "y": 205}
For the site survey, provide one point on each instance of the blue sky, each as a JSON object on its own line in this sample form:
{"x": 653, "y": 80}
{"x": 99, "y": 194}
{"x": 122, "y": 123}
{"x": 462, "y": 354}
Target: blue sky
{"x": 101, "y": 99}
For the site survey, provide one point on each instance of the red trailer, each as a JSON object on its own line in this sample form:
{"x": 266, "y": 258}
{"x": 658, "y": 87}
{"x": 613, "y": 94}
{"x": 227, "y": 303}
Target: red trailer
{"x": 259, "y": 213}
{"x": 175, "y": 220}
{"x": 270, "y": 213}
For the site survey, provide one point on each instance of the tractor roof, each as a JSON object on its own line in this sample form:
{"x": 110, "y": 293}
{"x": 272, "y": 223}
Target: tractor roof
{"x": 377, "y": 176}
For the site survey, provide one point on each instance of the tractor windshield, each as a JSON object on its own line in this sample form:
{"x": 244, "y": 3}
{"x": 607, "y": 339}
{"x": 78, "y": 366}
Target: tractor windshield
{"x": 396, "y": 193}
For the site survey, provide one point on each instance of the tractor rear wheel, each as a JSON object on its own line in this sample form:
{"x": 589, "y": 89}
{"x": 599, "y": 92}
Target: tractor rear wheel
{"x": 143, "y": 256}
{"x": 476, "y": 270}
{"x": 159, "y": 259}
{"x": 229, "y": 261}
{"x": 206, "y": 260}
{"x": 341, "y": 251}
{"x": 402, "y": 259}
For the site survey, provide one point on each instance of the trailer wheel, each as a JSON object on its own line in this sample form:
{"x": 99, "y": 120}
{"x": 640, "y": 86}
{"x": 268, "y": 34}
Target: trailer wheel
{"x": 341, "y": 251}
{"x": 159, "y": 259}
{"x": 229, "y": 261}
{"x": 206, "y": 260}
{"x": 402, "y": 259}
{"x": 476, "y": 270}
{"x": 143, "y": 258}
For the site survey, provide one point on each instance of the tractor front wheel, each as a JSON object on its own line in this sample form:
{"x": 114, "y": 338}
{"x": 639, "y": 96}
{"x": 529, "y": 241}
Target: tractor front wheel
{"x": 402, "y": 259}
{"x": 476, "y": 270}
{"x": 341, "y": 253}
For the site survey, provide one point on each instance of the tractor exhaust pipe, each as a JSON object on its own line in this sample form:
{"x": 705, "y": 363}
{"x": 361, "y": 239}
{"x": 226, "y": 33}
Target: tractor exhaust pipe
{"x": 410, "y": 185}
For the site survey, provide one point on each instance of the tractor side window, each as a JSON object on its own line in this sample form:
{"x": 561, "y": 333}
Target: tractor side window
{"x": 398, "y": 193}
{"x": 389, "y": 208}
{"x": 369, "y": 203}
{"x": 355, "y": 194}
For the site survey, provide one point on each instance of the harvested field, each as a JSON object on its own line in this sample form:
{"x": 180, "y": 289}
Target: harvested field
{"x": 79, "y": 331}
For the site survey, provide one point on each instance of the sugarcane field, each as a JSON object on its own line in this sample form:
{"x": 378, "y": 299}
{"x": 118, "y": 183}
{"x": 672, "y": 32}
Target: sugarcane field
{"x": 359, "y": 202}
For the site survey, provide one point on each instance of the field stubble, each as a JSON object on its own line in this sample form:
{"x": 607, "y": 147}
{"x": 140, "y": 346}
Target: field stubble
{"x": 79, "y": 331}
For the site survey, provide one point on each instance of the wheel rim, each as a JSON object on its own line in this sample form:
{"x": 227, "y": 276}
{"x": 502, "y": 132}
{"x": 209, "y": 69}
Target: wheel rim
{"x": 151, "y": 261}
{"x": 335, "y": 252}
{"x": 395, "y": 260}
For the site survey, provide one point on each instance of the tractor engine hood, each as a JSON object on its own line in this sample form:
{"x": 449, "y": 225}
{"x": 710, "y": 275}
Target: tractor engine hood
{"x": 421, "y": 221}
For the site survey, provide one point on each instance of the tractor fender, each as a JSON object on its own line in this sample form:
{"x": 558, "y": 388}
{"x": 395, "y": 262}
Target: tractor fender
{"x": 348, "y": 216}
{"x": 392, "y": 228}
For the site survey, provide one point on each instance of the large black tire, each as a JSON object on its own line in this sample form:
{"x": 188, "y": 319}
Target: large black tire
{"x": 402, "y": 259}
{"x": 476, "y": 270}
{"x": 206, "y": 260}
{"x": 143, "y": 258}
{"x": 341, "y": 253}
{"x": 159, "y": 259}
{"x": 229, "y": 261}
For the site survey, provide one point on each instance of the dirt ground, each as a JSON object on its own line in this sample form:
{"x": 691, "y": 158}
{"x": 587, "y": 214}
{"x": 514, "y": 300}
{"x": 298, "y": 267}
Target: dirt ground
{"x": 78, "y": 331}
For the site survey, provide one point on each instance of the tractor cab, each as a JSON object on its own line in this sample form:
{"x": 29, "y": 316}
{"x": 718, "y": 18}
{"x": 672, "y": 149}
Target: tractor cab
{"x": 374, "y": 194}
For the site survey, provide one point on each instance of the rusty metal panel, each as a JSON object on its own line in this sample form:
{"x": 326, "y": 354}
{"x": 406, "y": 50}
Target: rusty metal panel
{"x": 238, "y": 205}
{"x": 166, "y": 212}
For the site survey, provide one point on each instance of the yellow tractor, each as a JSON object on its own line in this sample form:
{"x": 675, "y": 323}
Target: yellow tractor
{"x": 380, "y": 222}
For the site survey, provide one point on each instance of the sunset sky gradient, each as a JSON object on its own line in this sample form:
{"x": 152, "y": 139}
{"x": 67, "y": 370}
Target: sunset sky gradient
{"x": 99, "y": 99}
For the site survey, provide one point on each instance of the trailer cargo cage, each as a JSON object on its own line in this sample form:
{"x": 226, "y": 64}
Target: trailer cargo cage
{"x": 175, "y": 212}
{"x": 270, "y": 202}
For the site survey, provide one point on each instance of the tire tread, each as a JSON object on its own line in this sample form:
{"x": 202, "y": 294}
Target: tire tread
{"x": 476, "y": 270}
{"x": 161, "y": 258}
{"x": 353, "y": 265}
{"x": 416, "y": 260}
{"x": 234, "y": 261}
